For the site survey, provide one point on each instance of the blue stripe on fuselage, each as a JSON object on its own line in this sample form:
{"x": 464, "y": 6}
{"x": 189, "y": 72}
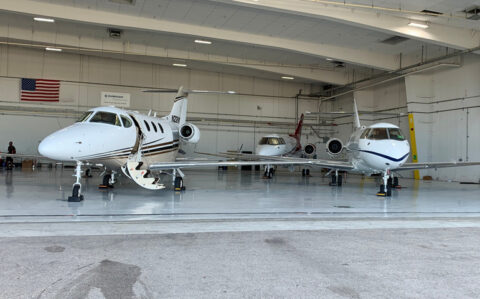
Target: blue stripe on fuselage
{"x": 385, "y": 156}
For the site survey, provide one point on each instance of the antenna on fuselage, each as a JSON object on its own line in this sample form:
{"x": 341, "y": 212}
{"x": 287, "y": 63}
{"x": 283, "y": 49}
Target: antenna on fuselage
{"x": 356, "y": 118}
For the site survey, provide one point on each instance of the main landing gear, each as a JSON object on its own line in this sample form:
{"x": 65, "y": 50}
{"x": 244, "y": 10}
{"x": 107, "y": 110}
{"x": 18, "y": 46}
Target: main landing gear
{"x": 269, "y": 172}
{"x": 337, "y": 180}
{"x": 77, "y": 195}
{"x": 178, "y": 180}
{"x": 108, "y": 180}
{"x": 305, "y": 172}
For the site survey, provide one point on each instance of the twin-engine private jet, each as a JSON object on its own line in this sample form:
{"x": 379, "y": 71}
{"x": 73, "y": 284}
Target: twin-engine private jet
{"x": 276, "y": 145}
{"x": 142, "y": 146}
{"x": 377, "y": 149}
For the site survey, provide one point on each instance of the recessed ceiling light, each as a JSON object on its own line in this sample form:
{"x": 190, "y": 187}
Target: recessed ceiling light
{"x": 205, "y": 42}
{"x": 179, "y": 64}
{"x": 418, "y": 25}
{"x": 38, "y": 19}
{"x": 53, "y": 49}
{"x": 288, "y": 78}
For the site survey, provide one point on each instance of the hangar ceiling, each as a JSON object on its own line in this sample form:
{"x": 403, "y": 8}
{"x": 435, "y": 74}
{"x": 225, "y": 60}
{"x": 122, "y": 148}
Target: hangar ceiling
{"x": 315, "y": 41}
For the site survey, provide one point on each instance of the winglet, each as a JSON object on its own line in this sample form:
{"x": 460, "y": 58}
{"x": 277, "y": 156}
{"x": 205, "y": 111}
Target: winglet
{"x": 356, "y": 120}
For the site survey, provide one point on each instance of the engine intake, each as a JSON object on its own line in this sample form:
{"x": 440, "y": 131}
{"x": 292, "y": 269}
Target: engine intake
{"x": 189, "y": 133}
{"x": 334, "y": 146}
{"x": 310, "y": 149}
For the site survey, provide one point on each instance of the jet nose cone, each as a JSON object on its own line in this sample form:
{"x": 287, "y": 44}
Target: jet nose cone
{"x": 46, "y": 148}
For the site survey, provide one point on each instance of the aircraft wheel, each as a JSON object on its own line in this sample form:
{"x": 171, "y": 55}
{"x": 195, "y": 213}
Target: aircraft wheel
{"x": 76, "y": 194}
{"x": 307, "y": 172}
{"x": 339, "y": 181}
{"x": 395, "y": 182}
{"x": 389, "y": 190}
{"x": 334, "y": 180}
{"x": 304, "y": 172}
{"x": 178, "y": 184}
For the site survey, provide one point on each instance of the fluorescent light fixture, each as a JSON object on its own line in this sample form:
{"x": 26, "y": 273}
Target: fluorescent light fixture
{"x": 418, "y": 25}
{"x": 204, "y": 42}
{"x": 53, "y": 49}
{"x": 231, "y": 92}
{"x": 329, "y": 59}
{"x": 179, "y": 64}
{"x": 287, "y": 78}
{"x": 38, "y": 19}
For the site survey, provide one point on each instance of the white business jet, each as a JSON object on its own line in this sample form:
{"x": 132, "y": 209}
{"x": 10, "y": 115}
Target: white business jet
{"x": 377, "y": 149}
{"x": 133, "y": 142}
{"x": 275, "y": 145}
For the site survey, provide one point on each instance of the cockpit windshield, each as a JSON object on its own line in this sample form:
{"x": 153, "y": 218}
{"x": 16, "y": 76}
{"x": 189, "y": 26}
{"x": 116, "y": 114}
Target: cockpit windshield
{"x": 383, "y": 134}
{"x": 84, "y": 116}
{"x": 106, "y": 118}
{"x": 396, "y": 134}
{"x": 378, "y": 134}
{"x": 271, "y": 141}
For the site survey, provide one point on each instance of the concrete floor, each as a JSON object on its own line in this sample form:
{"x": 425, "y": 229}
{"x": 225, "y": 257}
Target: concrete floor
{"x": 235, "y": 235}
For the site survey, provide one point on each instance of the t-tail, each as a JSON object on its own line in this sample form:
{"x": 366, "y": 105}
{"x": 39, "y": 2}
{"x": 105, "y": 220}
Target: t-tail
{"x": 179, "y": 110}
{"x": 298, "y": 131}
{"x": 356, "y": 120}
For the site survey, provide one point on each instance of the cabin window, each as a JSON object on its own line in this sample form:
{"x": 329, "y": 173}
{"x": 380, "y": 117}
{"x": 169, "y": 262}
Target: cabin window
{"x": 378, "y": 134}
{"x": 364, "y": 134}
{"x": 160, "y": 126}
{"x": 146, "y": 125}
{"x": 154, "y": 127}
{"x": 281, "y": 141}
{"x": 106, "y": 118}
{"x": 84, "y": 116}
{"x": 396, "y": 134}
{"x": 126, "y": 122}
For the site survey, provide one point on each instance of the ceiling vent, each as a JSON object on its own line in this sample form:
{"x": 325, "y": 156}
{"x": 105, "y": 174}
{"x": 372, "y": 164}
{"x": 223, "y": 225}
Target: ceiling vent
{"x": 128, "y": 2}
{"x": 432, "y": 13}
{"x": 114, "y": 33}
{"x": 473, "y": 13}
{"x": 394, "y": 40}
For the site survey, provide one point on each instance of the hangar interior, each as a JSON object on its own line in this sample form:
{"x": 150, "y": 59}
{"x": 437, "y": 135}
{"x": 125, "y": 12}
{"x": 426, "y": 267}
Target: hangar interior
{"x": 414, "y": 64}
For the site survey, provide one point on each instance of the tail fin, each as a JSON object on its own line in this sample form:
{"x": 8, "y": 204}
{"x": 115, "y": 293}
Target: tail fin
{"x": 298, "y": 130}
{"x": 179, "y": 110}
{"x": 356, "y": 118}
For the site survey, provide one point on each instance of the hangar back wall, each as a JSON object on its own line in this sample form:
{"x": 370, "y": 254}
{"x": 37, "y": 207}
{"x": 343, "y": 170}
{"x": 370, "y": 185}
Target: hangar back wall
{"x": 226, "y": 121}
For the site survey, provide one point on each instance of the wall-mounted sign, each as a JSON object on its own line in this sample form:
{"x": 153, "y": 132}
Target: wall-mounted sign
{"x": 116, "y": 99}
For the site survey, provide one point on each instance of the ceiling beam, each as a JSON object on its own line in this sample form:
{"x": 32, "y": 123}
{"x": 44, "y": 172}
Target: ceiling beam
{"x": 439, "y": 34}
{"x": 110, "y": 19}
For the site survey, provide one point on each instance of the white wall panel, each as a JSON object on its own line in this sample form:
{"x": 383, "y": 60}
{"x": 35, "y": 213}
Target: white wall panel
{"x": 10, "y": 89}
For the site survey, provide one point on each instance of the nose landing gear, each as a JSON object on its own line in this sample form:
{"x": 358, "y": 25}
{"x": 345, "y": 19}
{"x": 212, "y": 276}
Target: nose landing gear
{"x": 386, "y": 188}
{"x": 77, "y": 195}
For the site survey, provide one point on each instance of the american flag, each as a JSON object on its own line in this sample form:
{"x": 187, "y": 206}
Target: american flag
{"x": 40, "y": 90}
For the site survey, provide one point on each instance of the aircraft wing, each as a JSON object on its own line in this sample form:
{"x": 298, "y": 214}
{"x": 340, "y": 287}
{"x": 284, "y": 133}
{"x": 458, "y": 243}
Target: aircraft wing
{"x": 434, "y": 165}
{"x": 340, "y": 165}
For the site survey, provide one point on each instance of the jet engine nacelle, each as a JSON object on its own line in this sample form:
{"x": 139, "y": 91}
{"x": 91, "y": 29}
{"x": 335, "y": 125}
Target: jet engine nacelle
{"x": 334, "y": 146}
{"x": 189, "y": 133}
{"x": 310, "y": 150}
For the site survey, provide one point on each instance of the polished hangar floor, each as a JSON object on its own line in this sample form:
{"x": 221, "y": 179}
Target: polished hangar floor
{"x": 42, "y": 193}
{"x": 232, "y": 234}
